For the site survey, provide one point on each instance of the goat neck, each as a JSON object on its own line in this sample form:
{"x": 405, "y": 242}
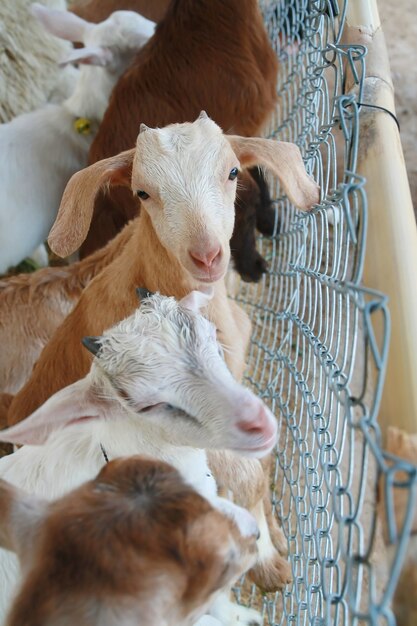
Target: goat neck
{"x": 159, "y": 270}
{"x": 90, "y": 102}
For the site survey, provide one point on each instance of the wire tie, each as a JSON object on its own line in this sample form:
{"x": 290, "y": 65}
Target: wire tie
{"x": 375, "y": 106}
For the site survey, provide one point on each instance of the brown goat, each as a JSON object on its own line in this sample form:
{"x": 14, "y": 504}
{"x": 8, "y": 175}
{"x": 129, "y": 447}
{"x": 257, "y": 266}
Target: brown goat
{"x": 136, "y": 545}
{"x": 211, "y": 55}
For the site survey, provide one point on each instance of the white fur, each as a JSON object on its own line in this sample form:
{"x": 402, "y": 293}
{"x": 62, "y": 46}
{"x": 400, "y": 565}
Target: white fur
{"x": 207, "y": 620}
{"x": 29, "y": 72}
{"x": 164, "y": 356}
{"x": 41, "y": 150}
{"x": 191, "y": 200}
{"x": 229, "y": 613}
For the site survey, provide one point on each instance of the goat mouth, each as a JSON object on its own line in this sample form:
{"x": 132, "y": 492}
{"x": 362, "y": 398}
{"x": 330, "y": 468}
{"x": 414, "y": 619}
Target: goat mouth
{"x": 207, "y": 277}
{"x": 210, "y": 279}
{"x": 265, "y": 447}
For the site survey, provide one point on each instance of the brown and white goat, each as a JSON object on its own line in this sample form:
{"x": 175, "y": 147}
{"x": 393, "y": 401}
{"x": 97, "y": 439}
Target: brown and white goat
{"x": 136, "y": 545}
{"x": 212, "y": 55}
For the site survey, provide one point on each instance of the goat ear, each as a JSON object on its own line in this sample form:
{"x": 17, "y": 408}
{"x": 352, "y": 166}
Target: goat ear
{"x": 93, "y": 344}
{"x": 282, "y": 159}
{"x": 20, "y": 514}
{"x": 89, "y": 55}
{"x": 69, "y": 405}
{"x": 63, "y": 24}
{"x": 77, "y": 204}
{"x": 196, "y": 300}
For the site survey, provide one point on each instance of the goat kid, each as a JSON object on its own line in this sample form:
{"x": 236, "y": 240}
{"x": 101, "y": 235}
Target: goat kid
{"x": 186, "y": 67}
{"x": 179, "y": 242}
{"x": 41, "y": 150}
{"x": 135, "y": 545}
{"x": 158, "y": 386}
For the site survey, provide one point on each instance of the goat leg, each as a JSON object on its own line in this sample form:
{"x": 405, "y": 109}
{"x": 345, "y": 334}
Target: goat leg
{"x": 245, "y": 479}
{"x": 247, "y": 260}
{"x": 264, "y": 210}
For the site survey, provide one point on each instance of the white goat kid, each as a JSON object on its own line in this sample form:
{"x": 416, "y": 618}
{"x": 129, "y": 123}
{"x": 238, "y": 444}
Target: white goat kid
{"x": 158, "y": 386}
{"x": 41, "y": 150}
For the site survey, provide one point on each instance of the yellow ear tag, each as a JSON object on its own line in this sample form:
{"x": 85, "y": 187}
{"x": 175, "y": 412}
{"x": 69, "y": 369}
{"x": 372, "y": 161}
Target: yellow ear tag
{"x": 82, "y": 125}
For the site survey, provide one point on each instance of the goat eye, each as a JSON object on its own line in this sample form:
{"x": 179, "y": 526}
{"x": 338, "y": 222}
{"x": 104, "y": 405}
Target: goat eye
{"x": 142, "y": 194}
{"x": 233, "y": 173}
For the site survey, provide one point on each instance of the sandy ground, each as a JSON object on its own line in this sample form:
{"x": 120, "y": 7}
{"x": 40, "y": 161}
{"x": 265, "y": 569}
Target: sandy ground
{"x": 399, "y": 21}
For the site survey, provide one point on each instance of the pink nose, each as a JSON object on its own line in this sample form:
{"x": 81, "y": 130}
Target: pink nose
{"x": 206, "y": 259}
{"x": 260, "y": 424}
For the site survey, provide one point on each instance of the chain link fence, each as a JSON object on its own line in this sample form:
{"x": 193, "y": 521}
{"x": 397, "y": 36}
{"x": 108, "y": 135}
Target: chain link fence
{"x": 320, "y": 344}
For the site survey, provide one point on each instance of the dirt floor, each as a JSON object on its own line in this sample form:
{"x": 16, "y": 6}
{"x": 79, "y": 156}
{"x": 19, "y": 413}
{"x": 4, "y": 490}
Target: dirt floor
{"x": 399, "y": 21}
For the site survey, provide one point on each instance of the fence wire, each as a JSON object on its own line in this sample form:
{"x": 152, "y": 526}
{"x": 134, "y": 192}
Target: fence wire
{"x": 320, "y": 342}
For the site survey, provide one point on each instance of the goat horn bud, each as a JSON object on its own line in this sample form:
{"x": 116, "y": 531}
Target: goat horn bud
{"x": 92, "y": 344}
{"x": 143, "y": 293}
{"x": 143, "y": 128}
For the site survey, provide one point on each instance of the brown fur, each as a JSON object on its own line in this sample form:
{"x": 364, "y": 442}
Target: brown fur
{"x": 99, "y": 10}
{"x": 5, "y": 402}
{"x": 107, "y": 542}
{"x": 265, "y": 576}
{"x": 210, "y": 55}
{"x": 32, "y": 306}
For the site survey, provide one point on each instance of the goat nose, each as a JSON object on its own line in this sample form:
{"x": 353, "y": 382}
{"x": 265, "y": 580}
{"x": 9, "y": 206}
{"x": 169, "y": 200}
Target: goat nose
{"x": 207, "y": 258}
{"x": 258, "y": 424}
